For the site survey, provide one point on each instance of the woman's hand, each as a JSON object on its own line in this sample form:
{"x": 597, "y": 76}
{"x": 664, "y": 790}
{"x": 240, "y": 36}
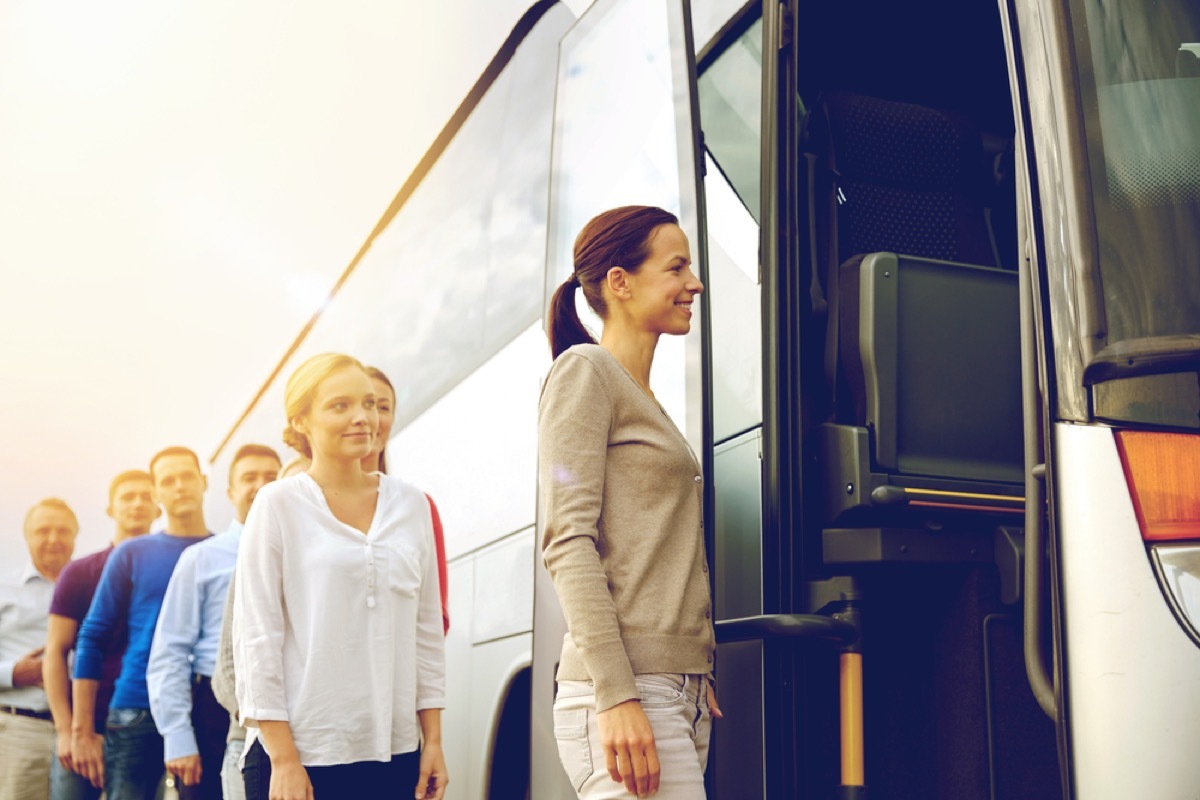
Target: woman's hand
{"x": 433, "y": 780}
{"x": 713, "y": 708}
{"x": 629, "y": 751}
{"x": 289, "y": 780}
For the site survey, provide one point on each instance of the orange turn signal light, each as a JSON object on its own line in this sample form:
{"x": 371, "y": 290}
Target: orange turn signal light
{"x": 1163, "y": 473}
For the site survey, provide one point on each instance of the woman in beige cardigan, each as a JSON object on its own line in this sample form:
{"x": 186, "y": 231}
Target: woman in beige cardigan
{"x": 622, "y": 527}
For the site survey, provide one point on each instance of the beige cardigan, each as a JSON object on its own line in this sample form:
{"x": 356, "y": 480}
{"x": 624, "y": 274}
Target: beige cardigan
{"x": 622, "y": 529}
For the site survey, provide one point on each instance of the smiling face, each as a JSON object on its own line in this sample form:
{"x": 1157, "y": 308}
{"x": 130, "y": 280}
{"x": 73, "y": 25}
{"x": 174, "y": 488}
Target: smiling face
{"x": 385, "y": 405}
{"x": 342, "y": 423}
{"x": 662, "y": 291}
{"x": 50, "y": 534}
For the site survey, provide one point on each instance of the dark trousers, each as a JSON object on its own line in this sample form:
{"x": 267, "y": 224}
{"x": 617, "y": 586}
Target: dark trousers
{"x": 133, "y": 755}
{"x": 375, "y": 779}
{"x": 210, "y": 721}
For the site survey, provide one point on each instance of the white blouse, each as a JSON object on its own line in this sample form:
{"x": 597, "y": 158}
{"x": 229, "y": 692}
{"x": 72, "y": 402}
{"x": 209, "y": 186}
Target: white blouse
{"x": 337, "y": 633}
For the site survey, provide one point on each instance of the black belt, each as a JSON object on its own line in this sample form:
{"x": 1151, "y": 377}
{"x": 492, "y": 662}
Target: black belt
{"x": 26, "y": 712}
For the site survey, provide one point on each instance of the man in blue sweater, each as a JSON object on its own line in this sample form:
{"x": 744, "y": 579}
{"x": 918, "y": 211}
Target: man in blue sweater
{"x": 128, "y": 760}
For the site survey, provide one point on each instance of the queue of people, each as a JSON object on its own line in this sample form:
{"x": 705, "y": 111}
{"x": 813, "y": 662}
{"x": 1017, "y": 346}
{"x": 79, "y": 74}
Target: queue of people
{"x": 300, "y": 653}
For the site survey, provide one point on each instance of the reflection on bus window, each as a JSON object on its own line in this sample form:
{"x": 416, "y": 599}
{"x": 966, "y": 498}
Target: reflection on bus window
{"x": 1142, "y": 118}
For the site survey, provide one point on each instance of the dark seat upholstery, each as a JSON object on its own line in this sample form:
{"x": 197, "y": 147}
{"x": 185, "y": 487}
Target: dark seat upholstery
{"x": 917, "y": 308}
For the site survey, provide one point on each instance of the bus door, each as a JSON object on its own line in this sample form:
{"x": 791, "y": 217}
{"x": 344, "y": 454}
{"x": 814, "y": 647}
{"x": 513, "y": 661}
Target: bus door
{"x": 893, "y": 473}
{"x": 624, "y": 134}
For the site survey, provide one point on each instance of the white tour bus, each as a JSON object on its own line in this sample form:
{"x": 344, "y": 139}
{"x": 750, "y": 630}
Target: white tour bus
{"x": 945, "y": 381}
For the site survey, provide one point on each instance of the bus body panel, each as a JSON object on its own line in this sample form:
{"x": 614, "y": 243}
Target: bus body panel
{"x": 1131, "y": 670}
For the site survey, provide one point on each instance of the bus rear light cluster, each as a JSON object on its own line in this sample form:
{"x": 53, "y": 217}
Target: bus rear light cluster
{"x": 1163, "y": 473}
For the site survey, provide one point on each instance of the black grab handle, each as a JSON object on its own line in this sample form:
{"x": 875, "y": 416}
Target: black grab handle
{"x": 786, "y": 626}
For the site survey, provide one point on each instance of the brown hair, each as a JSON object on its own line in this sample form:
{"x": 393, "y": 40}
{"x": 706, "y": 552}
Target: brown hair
{"x": 377, "y": 374}
{"x": 248, "y": 450}
{"x": 302, "y": 387}
{"x": 174, "y": 451}
{"x": 619, "y": 237}
{"x": 124, "y": 477}
{"x": 51, "y": 502}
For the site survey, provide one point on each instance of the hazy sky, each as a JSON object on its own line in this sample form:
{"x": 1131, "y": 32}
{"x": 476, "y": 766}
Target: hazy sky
{"x": 181, "y": 181}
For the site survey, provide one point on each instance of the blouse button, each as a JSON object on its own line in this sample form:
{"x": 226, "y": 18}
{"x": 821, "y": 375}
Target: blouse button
{"x": 371, "y": 601}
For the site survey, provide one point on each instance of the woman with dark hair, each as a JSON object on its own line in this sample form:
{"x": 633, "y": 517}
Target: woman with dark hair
{"x": 622, "y": 530}
{"x": 376, "y": 461}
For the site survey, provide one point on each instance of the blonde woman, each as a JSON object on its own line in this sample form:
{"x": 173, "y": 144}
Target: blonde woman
{"x": 337, "y": 638}
{"x": 622, "y": 530}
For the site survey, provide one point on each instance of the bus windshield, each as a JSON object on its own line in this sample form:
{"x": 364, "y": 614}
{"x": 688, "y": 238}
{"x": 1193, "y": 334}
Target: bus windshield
{"x": 1139, "y": 75}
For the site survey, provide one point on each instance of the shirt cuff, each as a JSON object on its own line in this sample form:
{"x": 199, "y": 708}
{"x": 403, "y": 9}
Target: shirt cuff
{"x": 250, "y": 717}
{"x": 179, "y": 744}
{"x": 433, "y": 701}
{"x": 6, "y": 674}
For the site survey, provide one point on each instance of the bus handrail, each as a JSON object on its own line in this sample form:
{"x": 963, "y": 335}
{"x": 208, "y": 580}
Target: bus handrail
{"x": 1035, "y": 498}
{"x": 786, "y": 626}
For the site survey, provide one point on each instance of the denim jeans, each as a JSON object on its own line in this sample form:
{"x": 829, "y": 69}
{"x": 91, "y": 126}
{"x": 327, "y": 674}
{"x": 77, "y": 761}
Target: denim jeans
{"x": 231, "y": 774}
{"x": 67, "y": 785}
{"x": 133, "y": 755}
{"x": 677, "y": 707}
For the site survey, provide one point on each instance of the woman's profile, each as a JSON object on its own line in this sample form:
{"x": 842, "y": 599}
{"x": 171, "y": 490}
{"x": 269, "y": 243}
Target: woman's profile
{"x": 622, "y": 533}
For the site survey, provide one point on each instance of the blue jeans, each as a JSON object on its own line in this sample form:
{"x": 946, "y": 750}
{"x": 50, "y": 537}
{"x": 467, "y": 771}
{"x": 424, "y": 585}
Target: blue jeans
{"x": 133, "y": 755}
{"x": 232, "y": 785}
{"x": 67, "y": 785}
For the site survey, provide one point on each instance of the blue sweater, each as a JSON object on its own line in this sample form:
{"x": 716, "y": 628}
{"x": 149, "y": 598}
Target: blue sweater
{"x": 131, "y": 590}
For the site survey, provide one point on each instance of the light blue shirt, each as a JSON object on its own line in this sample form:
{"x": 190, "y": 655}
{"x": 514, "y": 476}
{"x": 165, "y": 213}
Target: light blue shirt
{"x": 24, "y": 617}
{"x": 187, "y": 635}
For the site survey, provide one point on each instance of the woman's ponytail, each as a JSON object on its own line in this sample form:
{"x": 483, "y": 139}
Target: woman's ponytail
{"x": 564, "y": 326}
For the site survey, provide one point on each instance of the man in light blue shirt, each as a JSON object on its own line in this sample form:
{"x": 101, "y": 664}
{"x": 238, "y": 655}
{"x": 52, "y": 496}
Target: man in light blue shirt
{"x": 26, "y": 727}
{"x": 184, "y": 651}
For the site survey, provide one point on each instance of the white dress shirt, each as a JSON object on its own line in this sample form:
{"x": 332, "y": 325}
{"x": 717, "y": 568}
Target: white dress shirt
{"x": 186, "y": 636}
{"x": 24, "y": 618}
{"x": 336, "y": 632}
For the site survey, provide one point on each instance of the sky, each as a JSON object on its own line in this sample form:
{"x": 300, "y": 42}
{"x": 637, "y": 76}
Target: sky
{"x": 181, "y": 182}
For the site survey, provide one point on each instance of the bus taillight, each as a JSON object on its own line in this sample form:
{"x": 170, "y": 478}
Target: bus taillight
{"x": 1163, "y": 473}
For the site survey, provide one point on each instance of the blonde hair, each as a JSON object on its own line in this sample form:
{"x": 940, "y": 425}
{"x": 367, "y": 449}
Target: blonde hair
{"x": 302, "y": 388}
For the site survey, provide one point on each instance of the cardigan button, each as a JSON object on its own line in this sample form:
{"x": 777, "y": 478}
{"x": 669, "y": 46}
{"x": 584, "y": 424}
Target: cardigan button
{"x": 699, "y": 479}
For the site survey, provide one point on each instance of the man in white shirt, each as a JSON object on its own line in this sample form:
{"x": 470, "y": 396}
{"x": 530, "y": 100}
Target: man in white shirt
{"x": 184, "y": 652}
{"x": 26, "y": 727}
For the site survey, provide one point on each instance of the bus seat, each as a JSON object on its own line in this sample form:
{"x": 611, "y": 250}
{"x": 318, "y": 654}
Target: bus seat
{"x": 909, "y": 179}
{"x": 930, "y": 359}
{"x": 915, "y": 306}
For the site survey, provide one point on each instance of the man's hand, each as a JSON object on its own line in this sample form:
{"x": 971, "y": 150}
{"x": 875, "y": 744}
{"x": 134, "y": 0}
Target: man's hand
{"x": 28, "y": 671}
{"x": 87, "y": 751}
{"x": 187, "y": 769}
{"x": 629, "y": 750}
{"x": 62, "y": 749}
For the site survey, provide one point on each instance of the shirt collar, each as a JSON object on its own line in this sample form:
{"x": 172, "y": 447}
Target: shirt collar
{"x": 31, "y": 572}
{"x": 234, "y": 528}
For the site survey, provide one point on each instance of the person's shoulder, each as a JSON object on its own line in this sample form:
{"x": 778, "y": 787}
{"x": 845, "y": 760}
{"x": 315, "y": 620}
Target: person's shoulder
{"x": 137, "y": 547}
{"x": 398, "y": 487}
{"x": 85, "y": 566}
{"x": 583, "y": 363}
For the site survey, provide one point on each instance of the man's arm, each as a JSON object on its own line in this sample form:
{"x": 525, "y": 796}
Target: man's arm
{"x": 97, "y": 635}
{"x": 169, "y": 670}
{"x": 60, "y": 638}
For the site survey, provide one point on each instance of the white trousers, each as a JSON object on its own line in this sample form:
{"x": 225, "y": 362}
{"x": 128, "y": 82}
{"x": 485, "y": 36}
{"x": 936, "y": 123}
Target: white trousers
{"x": 677, "y": 707}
